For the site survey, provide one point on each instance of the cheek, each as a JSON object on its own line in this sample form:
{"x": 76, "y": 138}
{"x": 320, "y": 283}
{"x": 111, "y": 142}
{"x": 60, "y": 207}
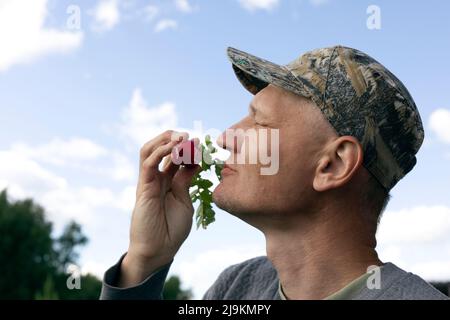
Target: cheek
{"x": 248, "y": 177}
{"x": 259, "y": 187}
{"x": 240, "y": 191}
{"x": 296, "y": 166}
{"x": 246, "y": 185}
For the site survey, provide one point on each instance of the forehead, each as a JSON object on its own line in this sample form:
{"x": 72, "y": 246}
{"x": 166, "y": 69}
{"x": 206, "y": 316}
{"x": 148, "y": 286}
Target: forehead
{"x": 279, "y": 103}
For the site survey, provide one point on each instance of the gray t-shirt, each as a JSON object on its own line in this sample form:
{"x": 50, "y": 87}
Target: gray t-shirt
{"x": 256, "y": 279}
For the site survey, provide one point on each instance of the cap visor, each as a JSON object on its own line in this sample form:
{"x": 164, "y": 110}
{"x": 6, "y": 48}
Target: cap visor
{"x": 255, "y": 73}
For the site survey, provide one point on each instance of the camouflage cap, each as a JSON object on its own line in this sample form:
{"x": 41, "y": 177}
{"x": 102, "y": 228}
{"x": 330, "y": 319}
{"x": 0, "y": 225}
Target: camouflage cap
{"x": 358, "y": 96}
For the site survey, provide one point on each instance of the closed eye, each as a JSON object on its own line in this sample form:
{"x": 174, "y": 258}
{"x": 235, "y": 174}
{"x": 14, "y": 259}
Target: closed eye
{"x": 256, "y": 116}
{"x": 259, "y": 124}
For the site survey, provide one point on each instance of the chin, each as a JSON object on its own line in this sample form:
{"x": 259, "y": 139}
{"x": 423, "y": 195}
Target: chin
{"x": 224, "y": 197}
{"x": 219, "y": 195}
{"x": 228, "y": 198}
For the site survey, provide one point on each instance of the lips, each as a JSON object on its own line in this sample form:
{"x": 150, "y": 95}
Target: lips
{"x": 227, "y": 170}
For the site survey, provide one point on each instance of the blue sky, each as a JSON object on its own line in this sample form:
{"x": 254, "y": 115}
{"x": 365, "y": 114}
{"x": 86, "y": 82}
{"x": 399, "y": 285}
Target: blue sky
{"x": 77, "y": 103}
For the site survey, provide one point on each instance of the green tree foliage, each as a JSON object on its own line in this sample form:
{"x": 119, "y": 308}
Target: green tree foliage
{"x": 71, "y": 238}
{"x": 90, "y": 288}
{"x": 32, "y": 263}
{"x": 26, "y": 249}
{"x": 48, "y": 291}
{"x": 200, "y": 187}
{"x": 173, "y": 290}
{"x": 443, "y": 287}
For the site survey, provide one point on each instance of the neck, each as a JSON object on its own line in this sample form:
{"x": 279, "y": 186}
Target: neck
{"x": 317, "y": 255}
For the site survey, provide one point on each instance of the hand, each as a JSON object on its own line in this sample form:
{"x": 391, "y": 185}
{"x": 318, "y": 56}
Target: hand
{"x": 162, "y": 216}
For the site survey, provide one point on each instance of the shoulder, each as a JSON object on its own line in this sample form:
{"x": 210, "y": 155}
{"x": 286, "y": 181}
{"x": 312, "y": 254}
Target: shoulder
{"x": 398, "y": 284}
{"x": 260, "y": 264}
{"x": 413, "y": 287}
{"x": 253, "y": 275}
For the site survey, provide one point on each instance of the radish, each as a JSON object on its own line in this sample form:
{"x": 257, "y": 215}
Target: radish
{"x": 186, "y": 153}
{"x": 190, "y": 154}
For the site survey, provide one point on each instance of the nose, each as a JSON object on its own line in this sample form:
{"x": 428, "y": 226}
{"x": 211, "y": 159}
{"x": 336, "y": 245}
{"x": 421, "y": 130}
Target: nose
{"x": 224, "y": 142}
{"x": 230, "y": 139}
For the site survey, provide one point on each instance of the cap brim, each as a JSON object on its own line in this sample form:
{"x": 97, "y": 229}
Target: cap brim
{"x": 255, "y": 73}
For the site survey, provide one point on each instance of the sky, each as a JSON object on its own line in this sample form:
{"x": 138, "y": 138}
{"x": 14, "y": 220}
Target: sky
{"x": 84, "y": 84}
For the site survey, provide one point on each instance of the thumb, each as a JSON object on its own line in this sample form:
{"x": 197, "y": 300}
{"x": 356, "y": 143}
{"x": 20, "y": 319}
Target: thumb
{"x": 183, "y": 179}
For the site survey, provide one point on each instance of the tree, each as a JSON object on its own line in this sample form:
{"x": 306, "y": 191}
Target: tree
{"x": 90, "y": 288}
{"x": 443, "y": 287}
{"x": 48, "y": 291}
{"x": 32, "y": 263}
{"x": 173, "y": 290}
{"x": 26, "y": 249}
{"x": 66, "y": 244}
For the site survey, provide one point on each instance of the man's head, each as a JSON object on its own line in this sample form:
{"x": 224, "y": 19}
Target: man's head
{"x": 348, "y": 129}
{"x": 316, "y": 166}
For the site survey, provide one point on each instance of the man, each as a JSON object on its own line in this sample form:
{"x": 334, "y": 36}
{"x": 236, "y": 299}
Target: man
{"x": 348, "y": 132}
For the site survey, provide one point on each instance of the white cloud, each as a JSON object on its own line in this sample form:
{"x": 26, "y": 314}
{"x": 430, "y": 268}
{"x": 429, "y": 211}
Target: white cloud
{"x": 95, "y": 268}
{"x": 26, "y": 178}
{"x": 106, "y": 15}
{"x": 123, "y": 169}
{"x": 24, "y": 37}
{"x": 81, "y": 154}
{"x": 114, "y": 166}
{"x": 165, "y": 24}
{"x": 318, "y": 2}
{"x": 253, "y": 5}
{"x": 192, "y": 271}
{"x": 440, "y": 124}
{"x": 61, "y": 152}
{"x": 183, "y": 5}
{"x": 416, "y": 225}
{"x": 127, "y": 198}
{"x": 269, "y": 5}
{"x": 150, "y": 12}
{"x": 416, "y": 239}
{"x": 141, "y": 123}
{"x": 391, "y": 253}
{"x": 23, "y": 173}
{"x": 81, "y": 204}
{"x": 433, "y": 270}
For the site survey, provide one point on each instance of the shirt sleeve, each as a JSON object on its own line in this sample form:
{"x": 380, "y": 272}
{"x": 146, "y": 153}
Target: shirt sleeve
{"x": 149, "y": 289}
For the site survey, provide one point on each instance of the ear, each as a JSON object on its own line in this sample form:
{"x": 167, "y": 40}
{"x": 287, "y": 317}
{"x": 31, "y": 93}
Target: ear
{"x": 338, "y": 164}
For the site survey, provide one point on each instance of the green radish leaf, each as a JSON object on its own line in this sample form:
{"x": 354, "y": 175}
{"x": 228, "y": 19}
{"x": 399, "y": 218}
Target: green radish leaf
{"x": 200, "y": 187}
{"x": 199, "y": 214}
{"x": 218, "y": 169}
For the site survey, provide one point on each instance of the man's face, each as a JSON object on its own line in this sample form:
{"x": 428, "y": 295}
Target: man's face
{"x": 303, "y": 132}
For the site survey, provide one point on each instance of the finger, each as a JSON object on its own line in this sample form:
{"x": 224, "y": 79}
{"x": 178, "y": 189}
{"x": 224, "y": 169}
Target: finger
{"x": 169, "y": 168}
{"x": 166, "y": 161}
{"x": 150, "y": 165}
{"x": 182, "y": 181}
{"x": 169, "y": 135}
